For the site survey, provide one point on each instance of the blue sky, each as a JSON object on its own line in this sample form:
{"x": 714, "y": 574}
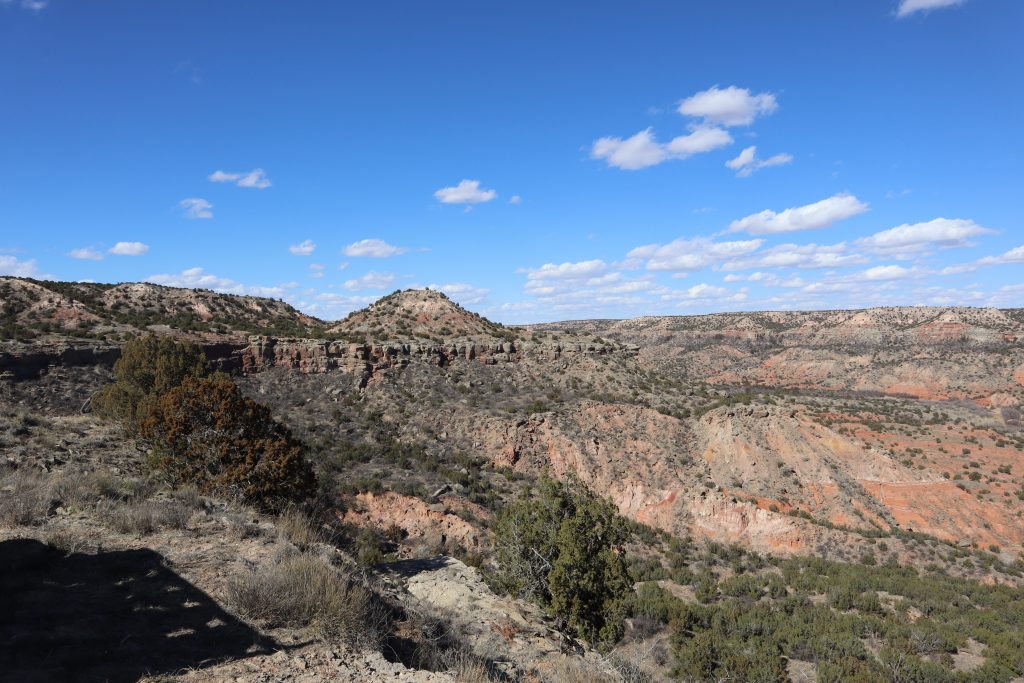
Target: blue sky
{"x": 537, "y": 161}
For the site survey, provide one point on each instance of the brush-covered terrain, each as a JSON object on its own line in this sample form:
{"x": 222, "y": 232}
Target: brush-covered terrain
{"x": 826, "y": 496}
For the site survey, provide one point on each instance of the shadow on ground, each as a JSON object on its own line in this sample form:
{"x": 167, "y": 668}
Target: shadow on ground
{"x": 112, "y": 616}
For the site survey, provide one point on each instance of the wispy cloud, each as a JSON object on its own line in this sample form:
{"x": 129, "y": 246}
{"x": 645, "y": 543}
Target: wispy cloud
{"x": 303, "y": 248}
{"x": 747, "y": 162}
{"x": 373, "y": 248}
{"x": 86, "y": 254}
{"x": 939, "y": 232}
{"x": 256, "y": 178}
{"x": 908, "y": 7}
{"x": 1015, "y": 255}
{"x": 196, "y": 207}
{"x": 820, "y": 214}
{"x": 372, "y": 280}
{"x": 466, "y": 192}
{"x": 129, "y": 249}
{"x": 198, "y": 278}
{"x": 689, "y": 254}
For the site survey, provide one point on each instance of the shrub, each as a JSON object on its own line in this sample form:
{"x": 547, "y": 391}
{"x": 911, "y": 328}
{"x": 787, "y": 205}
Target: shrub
{"x": 563, "y": 549}
{"x": 207, "y": 434}
{"x": 149, "y": 367}
{"x": 304, "y": 591}
{"x": 25, "y": 497}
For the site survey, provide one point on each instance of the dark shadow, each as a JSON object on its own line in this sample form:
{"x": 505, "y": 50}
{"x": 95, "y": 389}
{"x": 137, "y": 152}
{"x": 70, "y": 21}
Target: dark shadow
{"x": 112, "y": 617}
{"x": 409, "y": 568}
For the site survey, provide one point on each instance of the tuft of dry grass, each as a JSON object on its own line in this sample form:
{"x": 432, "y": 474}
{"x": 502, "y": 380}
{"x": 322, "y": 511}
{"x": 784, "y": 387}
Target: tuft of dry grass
{"x": 303, "y": 590}
{"x": 299, "y": 528}
{"x": 68, "y": 541}
{"x": 25, "y": 497}
{"x": 143, "y": 518}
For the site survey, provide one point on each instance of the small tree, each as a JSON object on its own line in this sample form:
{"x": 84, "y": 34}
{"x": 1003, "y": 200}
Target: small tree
{"x": 206, "y": 433}
{"x": 563, "y": 549}
{"x": 149, "y": 367}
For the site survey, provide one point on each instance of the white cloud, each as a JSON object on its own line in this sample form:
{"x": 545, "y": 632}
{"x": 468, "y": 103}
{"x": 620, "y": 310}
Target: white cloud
{"x": 730, "y": 106}
{"x": 747, "y": 162}
{"x": 374, "y": 248}
{"x": 129, "y": 249}
{"x": 1015, "y": 255}
{"x": 303, "y": 248}
{"x": 820, "y": 214}
{"x": 940, "y": 232}
{"x": 799, "y": 256}
{"x": 908, "y": 7}
{"x": 690, "y": 254}
{"x": 198, "y": 278}
{"x": 700, "y": 139}
{"x": 196, "y": 207}
{"x": 567, "y": 271}
{"x": 462, "y": 292}
{"x": 372, "y": 280}
{"x": 888, "y": 273}
{"x": 10, "y": 265}
{"x": 316, "y": 270}
{"x": 766, "y": 279}
{"x": 704, "y": 294}
{"x": 631, "y": 154}
{"x": 34, "y": 5}
{"x": 466, "y": 192}
{"x": 86, "y": 254}
{"x": 515, "y": 199}
{"x": 256, "y": 178}
{"x": 642, "y": 150}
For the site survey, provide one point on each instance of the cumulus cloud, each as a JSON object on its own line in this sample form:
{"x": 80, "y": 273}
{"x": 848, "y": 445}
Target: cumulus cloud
{"x": 256, "y": 178}
{"x": 730, "y": 106}
{"x": 939, "y": 232}
{"x": 374, "y": 248}
{"x": 372, "y": 280}
{"x": 196, "y": 207}
{"x": 799, "y": 256}
{"x": 10, "y": 265}
{"x": 129, "y": 249}
{"x": 86, "y": 254}
{"x": 198, "y": 278}
{"x": 567, "y": 271}
{"x": 1015, "y": 255}
{"x": 820, "y": 214}
{"x": 888, "y": 273}
{"x": 684, "y": 254}
{"x": 515, "y": 199}
{"x": 303, "y": 248}
{"x": 908, "y": 7}
{"x": 704, "y": 294}
{"x": 642, "y": 150}
{"x": 466, "y": 192}
{"x": 747, "y": 161}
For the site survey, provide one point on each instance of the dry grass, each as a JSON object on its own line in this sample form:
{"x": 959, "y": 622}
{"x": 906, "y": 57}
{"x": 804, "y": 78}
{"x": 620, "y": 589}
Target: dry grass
{"x": 297, "y": 527}
{"x": 25, "y": 497}
{"x": 83, "y": 489}
{"x": 145, "y": 517}
{"x": 303, "y": 590}
{"x": 68, "y": 541}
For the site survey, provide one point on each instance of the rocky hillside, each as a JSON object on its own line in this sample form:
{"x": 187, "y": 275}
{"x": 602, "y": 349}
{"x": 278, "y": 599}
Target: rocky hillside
{"x": 925, "y": 352}
{"x": 422, "y": 314}
{"x": 41, "y": 309}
